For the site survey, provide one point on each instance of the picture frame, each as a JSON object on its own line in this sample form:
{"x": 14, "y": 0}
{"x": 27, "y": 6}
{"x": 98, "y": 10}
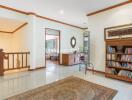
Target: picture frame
{"x": 73, "y": 42}
{"x": 118, "y": 32}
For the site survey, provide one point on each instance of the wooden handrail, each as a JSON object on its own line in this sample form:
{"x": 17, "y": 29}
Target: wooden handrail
{"x": 16, "y": 60}
{"x": 18, "y": 53}
{"x": 1, "y": 62}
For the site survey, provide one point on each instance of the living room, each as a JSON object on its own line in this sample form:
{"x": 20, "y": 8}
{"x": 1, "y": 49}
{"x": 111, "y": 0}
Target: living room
{"x": 94, "y": 49}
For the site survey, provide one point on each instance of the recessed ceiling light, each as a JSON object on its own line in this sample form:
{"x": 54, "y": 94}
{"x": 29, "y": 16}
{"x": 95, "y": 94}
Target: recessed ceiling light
{"x": 61, "y": 12}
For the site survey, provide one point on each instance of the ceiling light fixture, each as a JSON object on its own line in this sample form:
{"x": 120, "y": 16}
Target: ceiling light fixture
{"x": 61, "y": 12}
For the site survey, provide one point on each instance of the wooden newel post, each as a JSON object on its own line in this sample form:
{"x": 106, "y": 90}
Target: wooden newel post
{"x": 2, "y": 56}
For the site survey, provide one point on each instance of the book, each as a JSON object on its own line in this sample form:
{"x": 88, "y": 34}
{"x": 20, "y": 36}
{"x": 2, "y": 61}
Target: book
{"x": 126, "y": 58}
{"x": 110, "y": 49}
{"x": 113, "y": 57}
{"x": 110, "y": 63}
{"x": 109, "y": 57}
{"x": 129, "y": 65}
{"x": 128, "y": 50}
{"x": 117, "y": 64}
{"x": 113, "y": 71}
{"x": 125, "y": 73}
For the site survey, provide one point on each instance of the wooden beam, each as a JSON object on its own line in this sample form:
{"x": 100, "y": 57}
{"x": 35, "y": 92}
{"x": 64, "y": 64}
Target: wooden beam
{"x": 109, "y": 8}
{"x": 5, "y": 32}
{"x": 59, "y": 22}
{"x": 40, "y": 16}
{"x": 21, "y": 26}
{"x": 13, "y": 9}
{"x": 15, "y": 29}
{"x": 43, "y": 17}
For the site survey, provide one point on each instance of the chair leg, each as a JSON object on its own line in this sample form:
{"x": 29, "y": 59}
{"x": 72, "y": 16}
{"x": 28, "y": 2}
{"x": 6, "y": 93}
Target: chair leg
{"x": 85, "y": 69}
{"x": 93, "y": 70}
{"x": 79, "y": 67}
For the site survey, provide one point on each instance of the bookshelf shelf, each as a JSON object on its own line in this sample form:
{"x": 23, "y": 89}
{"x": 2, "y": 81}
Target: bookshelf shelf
{"x": 119, "y": 59}
{"x": 121, "y": 53}
{"x": 119, "y": 77}
{"x": 121, "y": 68}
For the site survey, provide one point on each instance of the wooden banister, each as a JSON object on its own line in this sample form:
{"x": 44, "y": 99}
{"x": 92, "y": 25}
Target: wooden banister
{"x": 16, "y": 60}
{"x": 2, "y": 56}
{"x": 18, "y": 53}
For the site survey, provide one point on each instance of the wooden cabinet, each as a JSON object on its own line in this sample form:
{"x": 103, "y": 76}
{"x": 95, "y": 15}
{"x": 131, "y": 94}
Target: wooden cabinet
{"x": 71, "y": 59}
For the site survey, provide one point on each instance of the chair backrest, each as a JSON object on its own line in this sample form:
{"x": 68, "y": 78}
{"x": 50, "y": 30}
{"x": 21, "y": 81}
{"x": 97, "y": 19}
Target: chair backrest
{"x": 84, "y": 59}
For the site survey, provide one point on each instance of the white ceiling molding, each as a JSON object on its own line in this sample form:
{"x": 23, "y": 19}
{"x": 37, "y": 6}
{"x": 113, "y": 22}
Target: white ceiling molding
{"x": 74, "y": 11}
{"x": 10, "y": 25}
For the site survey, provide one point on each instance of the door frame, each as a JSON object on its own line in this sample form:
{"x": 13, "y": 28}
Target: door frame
{"x": 59, "y": 43}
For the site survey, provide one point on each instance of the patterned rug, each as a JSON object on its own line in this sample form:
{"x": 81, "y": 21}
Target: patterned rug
{"x": 71, "y": 88}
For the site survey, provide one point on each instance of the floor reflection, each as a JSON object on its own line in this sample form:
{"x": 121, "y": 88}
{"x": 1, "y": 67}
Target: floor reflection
{"x": 12, "y": 84}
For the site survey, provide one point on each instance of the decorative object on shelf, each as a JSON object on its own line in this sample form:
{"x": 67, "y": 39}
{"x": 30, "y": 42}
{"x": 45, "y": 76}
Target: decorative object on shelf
{"x": 119, "y": 49}
{"x": 73, "y": 42}
{"x": 119, "y": 32}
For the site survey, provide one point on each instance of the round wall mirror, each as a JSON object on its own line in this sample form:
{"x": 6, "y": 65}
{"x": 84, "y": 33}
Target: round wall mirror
{"x": 73, "y": 42}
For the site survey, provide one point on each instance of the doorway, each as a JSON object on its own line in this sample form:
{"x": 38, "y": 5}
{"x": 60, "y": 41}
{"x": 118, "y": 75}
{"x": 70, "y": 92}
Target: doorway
{"x": 52, "y": 47}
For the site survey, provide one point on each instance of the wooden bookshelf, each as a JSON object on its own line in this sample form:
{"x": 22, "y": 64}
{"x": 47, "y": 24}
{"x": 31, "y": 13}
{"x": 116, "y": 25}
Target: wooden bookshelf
{"x": 119, "y": 59}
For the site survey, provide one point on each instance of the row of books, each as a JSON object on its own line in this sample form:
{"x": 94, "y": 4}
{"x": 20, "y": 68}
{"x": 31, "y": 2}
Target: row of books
{"x": 128, "y": 50}
{"x": 127, "y": 58}
{"x": 122, "y": 73}
{"x": 119, "y": 50}
{"x": 112, "y": 63}
{"x": 113, "y": 71}
{"x": 117, "y": 64}
{"x": 111, "y": 57}
{"x": 125, "y": 73}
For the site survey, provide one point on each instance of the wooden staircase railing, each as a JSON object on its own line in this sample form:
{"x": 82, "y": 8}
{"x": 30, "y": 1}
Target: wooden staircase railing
{"x": 13, "y": 60}
{"x": 2, "y": 56}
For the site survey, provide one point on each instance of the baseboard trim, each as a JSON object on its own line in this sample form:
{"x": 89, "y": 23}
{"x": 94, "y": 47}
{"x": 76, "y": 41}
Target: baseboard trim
{"x": 97, "y": 71}
{"x": 37, "y": 68}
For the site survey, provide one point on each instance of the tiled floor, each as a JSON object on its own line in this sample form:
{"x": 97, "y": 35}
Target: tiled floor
{"x": 12, "y": 84}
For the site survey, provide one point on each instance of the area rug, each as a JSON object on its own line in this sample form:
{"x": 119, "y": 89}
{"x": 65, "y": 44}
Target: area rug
{"x": 71, "y": 88}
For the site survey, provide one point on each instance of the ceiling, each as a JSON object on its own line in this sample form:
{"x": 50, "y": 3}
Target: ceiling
{"x": 9, "y": 25}
{"x": 68, "y": 11}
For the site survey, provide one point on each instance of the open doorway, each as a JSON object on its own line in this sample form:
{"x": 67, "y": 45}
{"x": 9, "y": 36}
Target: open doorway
{"x": 52, "y": 47}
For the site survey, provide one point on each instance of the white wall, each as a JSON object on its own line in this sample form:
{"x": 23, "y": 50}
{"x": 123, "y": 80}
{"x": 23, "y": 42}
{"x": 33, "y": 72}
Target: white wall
{"x": 17, "y": 41}
{"x": 66, "y": 33}
{"x": 22, "y": 40}
{"x": 6, "y": 42}
{"x": 97, "y": 23}
{"x": 32, "y": 37}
